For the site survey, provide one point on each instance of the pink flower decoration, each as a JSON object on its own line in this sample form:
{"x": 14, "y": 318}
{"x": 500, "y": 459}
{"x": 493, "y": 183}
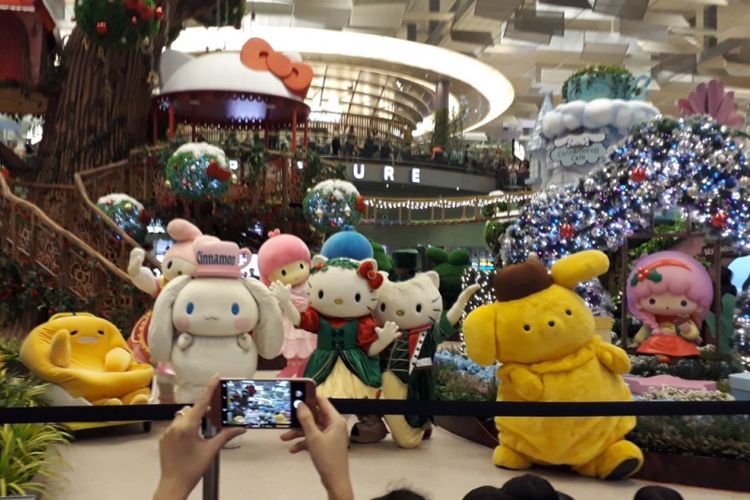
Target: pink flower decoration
{"x": 712, "y": 100}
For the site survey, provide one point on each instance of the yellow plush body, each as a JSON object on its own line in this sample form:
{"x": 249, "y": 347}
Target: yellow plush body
{"x": 549, "y": 350}
{"x": 88, "y": 358}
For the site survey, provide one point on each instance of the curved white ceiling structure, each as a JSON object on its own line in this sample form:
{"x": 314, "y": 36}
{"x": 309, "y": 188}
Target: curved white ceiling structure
{"x": 488, "y": 81}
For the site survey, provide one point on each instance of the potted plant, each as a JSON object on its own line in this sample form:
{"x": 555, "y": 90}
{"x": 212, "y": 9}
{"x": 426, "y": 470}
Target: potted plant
{"x": 603, "y": 81}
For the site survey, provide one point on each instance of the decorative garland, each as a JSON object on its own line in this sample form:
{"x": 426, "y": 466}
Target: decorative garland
{"x": 119, "y": 24}
{"x": 693, "y": 163}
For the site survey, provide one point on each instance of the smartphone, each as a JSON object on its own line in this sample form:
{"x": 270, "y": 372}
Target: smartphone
{"x": 260, "y": 404}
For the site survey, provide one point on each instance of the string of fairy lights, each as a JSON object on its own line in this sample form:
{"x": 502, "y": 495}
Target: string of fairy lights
{"x": 446, "y": 203}
{"x": 485, "y": 294}
{"x": 742, "y": 329}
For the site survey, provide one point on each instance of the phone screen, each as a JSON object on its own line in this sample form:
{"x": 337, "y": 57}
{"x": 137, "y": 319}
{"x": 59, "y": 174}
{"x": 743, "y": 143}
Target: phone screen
{"x": 261, "y": 404}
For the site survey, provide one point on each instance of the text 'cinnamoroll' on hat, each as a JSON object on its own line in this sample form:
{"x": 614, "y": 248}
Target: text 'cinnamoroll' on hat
{"x": 220, "y": 259}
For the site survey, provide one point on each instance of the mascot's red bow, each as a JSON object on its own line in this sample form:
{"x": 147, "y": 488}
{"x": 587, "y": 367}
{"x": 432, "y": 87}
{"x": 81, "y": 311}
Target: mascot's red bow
{"x": 368, "y": 271}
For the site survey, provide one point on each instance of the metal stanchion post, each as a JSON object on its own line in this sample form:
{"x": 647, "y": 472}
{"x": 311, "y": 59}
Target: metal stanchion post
{"x": 211, "y": 477}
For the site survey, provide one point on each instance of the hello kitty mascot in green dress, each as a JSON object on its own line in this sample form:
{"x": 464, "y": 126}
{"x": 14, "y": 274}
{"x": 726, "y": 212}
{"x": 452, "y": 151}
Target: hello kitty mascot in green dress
{"x": 342, "y": 294}
{"x": 416, "y": 306}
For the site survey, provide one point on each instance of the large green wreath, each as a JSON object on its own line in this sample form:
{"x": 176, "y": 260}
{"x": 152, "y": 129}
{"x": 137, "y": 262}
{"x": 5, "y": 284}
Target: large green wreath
{"x": 191, "y": 175}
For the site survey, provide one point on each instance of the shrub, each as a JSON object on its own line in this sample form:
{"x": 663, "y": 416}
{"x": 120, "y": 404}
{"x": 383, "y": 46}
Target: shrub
{"x": 25, "y": 449}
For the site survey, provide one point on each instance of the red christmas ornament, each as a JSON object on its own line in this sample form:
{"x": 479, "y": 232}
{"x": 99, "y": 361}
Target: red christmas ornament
{"x": 5, "y": 172}
{"x": 101, "y": 28}
{"x": 567, "y": 231}
{"x": 638, "y": 174}
{"x": 134, "y": 20}
{"x": 159, "y": 12}
{"x": 719, "y": 220}
{"x": 359, "y": 204}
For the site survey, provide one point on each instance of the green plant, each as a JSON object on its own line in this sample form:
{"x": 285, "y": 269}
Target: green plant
{"x": 709, "y": 366}
{"x": 254, "y": 157}
{"x": 457, "y": 378}
{"x": 442, "y": 129}
{"x": 450, "y": 267}
{"x": 456, "y": 128}
{"x": 720, "y": 436}
{"x": 111, "y": 23}
{"x": 659, "y": 243}
{"x": 619, "y": 76}
{"x": 494, "y": 231}
{"x": 26, "y": 450}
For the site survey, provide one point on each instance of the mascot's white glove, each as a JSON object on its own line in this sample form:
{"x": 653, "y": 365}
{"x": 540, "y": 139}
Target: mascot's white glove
{"x": 141, "y": 276}
{"x": 454, "y": 313}
{"x": 283, "y": 295}
{"x": 386, "y": 335}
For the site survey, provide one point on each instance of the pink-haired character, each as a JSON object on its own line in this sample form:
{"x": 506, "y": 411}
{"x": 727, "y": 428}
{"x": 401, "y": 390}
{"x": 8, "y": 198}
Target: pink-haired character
{"x": 286, "y": 258}
{"x": 670, "y": 293}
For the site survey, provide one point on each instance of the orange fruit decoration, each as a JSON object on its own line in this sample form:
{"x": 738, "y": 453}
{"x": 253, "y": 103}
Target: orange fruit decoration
{"x": 255, "y": 54}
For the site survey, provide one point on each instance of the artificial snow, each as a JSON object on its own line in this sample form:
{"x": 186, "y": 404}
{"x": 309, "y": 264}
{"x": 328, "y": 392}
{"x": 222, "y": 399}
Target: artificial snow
{"x": 338, "y": 188}
{"x": 596, "y": 114}
{"x": 200, "y": 149}
{"x": 116, "y": 198}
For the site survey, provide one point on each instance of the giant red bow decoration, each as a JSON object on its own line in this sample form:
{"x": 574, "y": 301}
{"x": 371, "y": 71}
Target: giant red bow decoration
{"x": 369, "y": 272}
{"x": 257, "y": 54}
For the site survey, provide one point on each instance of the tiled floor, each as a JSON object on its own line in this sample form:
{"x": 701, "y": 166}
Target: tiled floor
{"x": 125, "y": 467}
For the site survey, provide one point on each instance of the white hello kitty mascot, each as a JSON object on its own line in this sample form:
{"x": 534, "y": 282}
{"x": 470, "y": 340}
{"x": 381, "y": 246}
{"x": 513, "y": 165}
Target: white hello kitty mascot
{"x": 214, "y": 321}
{"x": 345, "y": 363}
{"x": 416, "y": 306}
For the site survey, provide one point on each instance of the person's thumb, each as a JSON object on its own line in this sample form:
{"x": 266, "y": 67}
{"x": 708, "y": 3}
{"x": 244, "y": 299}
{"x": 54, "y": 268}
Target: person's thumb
{"x": 307, "y": 420}
{"x": 225, "y": 435}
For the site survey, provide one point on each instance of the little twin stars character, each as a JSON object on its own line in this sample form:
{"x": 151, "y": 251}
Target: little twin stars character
{"x": 285, "y": 258}
{"x": 670, "y": 293}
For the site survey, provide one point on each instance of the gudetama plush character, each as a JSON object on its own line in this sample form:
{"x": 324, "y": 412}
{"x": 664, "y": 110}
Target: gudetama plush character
{"x": 88, "y": 358}
{"x": 544, "y": 336}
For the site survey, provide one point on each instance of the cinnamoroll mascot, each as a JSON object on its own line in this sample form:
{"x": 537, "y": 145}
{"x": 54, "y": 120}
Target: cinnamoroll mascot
{"x": 214, "y": 322}
{"x": 179, "y": 260}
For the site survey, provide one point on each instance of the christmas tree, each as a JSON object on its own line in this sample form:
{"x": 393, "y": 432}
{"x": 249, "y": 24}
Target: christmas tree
{"x": 692, "y": 163}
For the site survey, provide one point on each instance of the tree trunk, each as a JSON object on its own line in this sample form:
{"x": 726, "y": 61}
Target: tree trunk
{"x": 102, "y": 110}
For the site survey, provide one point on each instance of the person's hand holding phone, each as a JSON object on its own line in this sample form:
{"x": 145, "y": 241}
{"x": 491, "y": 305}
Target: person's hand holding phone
{"x": 324, "y": 436}
{"x": 184, "y": 454}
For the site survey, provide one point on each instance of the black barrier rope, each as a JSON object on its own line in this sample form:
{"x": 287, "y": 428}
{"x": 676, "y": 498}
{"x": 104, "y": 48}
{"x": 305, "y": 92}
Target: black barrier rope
{"x": 480, "y": 409}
